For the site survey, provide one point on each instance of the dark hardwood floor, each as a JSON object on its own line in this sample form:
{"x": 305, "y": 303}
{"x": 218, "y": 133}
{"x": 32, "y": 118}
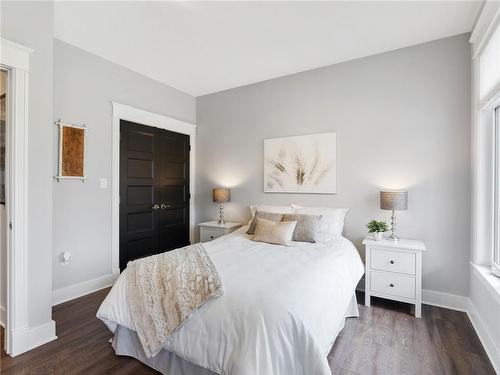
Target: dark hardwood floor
{"x": 385, "y": 339}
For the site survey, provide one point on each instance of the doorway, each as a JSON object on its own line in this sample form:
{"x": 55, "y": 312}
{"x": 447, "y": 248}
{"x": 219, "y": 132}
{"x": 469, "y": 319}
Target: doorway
{"x": 154, "y": 191}
{"x": 3, "y": 212}
{"x": 15, "y": 60}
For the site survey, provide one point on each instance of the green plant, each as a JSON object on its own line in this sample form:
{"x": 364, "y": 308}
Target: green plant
{"x": 375, "y": 226}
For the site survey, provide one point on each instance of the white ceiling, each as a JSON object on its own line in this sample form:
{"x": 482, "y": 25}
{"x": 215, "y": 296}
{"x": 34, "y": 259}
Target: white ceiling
{"x": 204, "y": 47}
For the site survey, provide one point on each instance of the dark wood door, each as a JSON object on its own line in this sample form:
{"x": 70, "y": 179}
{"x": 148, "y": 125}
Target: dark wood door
{"x": 154, "y": 191}
{"x": 174, "y": 195}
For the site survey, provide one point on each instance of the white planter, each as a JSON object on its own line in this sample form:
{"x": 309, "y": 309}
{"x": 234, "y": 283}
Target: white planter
{"x": 377, "y": 236}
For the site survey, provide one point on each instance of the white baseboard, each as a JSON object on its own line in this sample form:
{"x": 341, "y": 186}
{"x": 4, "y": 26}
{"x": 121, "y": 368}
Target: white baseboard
{"x": 438, "y": 299}
{"x": 78, "y": 290}
{"x": 3, "y": 316}
{"x": 19, "y": 341}
{"x": 445, "y": 300}
{"x": 25, "y": 339}
{"x": 42, "y": 334}
{"x": 489, "y": 345}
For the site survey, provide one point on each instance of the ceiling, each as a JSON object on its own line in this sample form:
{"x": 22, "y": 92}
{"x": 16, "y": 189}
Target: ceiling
{"x": 204, "y": 47}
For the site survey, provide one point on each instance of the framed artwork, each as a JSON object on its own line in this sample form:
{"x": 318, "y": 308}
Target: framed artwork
{"x": 302, "y": 164}
{"x": 72, "y": 139}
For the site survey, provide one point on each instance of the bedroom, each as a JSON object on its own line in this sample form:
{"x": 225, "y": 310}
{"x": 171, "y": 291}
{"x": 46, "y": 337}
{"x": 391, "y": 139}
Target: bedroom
{"x": 409, "y": 91}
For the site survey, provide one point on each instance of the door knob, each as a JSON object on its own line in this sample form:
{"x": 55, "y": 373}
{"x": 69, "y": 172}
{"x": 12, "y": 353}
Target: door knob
{"x": 155, "y": 207}
{"x": 163, "y": 206}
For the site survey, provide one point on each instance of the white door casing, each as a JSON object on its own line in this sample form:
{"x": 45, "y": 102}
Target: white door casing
{"x": 15, "y": 58}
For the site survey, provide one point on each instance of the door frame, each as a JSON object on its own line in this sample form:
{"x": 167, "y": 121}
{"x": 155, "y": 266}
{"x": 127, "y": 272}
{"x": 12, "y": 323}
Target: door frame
{"x": 140, "y": 116}
{"x": 15, "y": 58}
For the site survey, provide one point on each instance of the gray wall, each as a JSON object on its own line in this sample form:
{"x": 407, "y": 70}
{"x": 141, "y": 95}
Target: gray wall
{"x": 84, "y": 86}
{"x": 31, "y": 24}
{"x": 402, "y": 120}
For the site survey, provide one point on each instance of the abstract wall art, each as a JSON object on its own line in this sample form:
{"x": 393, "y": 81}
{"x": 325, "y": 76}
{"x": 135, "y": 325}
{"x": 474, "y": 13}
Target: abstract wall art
{"x": 301, "y": 164}
{"x": 71, "y": 151}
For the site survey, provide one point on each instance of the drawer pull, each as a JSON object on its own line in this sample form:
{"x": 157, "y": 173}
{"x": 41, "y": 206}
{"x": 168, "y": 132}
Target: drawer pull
{"x": 212, "y": 237}
{"x": 392, "y": 262}
{"x": 391, "y": 285}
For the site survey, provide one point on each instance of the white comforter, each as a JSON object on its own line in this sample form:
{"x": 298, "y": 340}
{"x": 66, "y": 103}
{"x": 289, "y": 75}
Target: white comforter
{"x": 280, "y": 312}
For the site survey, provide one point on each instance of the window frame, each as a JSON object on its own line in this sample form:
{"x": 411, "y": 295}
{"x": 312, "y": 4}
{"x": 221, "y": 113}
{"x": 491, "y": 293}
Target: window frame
{"x": 495, "y": 112}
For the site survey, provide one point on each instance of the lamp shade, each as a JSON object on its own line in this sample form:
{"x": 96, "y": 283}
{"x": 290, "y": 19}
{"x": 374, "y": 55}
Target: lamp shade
{"x": 394, "y": 200}
{"x": 221, "y": 195}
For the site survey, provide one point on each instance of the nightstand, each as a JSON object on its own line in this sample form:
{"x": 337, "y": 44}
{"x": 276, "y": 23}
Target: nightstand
{"x": 211, "y": 230}
{"x": 394, "y": 271}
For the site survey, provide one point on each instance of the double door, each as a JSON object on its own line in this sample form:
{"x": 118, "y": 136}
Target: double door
{"x": 154, "y": 191}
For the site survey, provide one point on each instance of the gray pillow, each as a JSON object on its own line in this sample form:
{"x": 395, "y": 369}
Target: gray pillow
{"x": 307, "y": 227}
{"x": 263, "y": 215}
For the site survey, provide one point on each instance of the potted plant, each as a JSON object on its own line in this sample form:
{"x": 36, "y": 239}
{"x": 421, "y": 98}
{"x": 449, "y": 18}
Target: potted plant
{"x": 377, "y": 228}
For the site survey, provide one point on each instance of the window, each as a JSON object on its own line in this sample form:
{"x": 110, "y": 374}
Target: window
{"x": 496, "y": 251}
{"x": 487, "y": 241}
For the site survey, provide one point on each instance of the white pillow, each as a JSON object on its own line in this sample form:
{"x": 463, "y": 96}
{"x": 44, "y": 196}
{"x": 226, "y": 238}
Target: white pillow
{"x": 332, "y": 221}
{"x": 274, "y": 209}
{"x": 279, "y": 233}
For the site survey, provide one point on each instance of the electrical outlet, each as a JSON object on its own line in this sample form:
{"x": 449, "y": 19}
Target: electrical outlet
{"x": 104, "y": 183}
{"x": 64, "y": 257}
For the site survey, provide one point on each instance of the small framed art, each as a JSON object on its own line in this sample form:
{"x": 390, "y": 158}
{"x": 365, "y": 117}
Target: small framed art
{"x": 72, "y": 140}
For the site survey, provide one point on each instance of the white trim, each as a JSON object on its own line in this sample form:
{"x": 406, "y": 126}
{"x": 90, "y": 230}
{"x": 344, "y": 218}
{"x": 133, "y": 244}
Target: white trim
{"x": 125, "y": 112}
{"x": 482, "y": 142}
{"x": 3, "y": 316}
{"x": 71, "y": 292}
{"x": 488, "y": 280}
{"x": 14, "y": 55}
{"x": 483, "y": 310}
{"x": 15, "y": 58}
{"x": 489, "y": 346}
{"x": 484, "y": 27}
{"x": 41, "y": 334}
{"x": 445, "y": 300}
{"x": 19, "y": 341}
{"x": 434, "y": 298}
{"x": 25, "y": 339}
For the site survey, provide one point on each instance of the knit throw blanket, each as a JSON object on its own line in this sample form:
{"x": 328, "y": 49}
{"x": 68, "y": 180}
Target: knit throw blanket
{"x": 165, "y": 289}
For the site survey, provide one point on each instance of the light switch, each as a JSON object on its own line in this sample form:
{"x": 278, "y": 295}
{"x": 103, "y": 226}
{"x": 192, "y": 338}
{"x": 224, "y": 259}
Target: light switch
{"x": 104, "y": 183}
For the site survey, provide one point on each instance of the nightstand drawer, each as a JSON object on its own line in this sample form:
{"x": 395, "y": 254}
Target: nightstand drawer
{"x": 392, "y": 284}
{"x": 393, "y": 261}
{"x": 209, "y": 234}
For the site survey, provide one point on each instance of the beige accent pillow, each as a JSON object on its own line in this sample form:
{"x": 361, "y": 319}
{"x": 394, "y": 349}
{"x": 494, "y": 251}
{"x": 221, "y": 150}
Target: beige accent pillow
{"x": 307, "y": 226}
{"x": 279, "y": 233}
{"x": 272, "y": 216}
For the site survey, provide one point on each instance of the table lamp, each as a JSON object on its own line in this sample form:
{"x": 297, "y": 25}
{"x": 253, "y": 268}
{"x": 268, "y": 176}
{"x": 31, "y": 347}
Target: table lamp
{"x": 221, "y": 195}
{"x": 395, "y": 201}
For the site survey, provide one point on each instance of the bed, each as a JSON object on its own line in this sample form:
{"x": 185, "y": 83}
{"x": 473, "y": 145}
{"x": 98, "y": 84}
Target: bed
{"x": 281, "y": 311}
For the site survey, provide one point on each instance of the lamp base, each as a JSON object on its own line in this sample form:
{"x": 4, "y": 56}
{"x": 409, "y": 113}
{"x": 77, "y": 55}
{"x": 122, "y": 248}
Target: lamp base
{"x": 221, "y": 215}
{"x": 393, "y": 237}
